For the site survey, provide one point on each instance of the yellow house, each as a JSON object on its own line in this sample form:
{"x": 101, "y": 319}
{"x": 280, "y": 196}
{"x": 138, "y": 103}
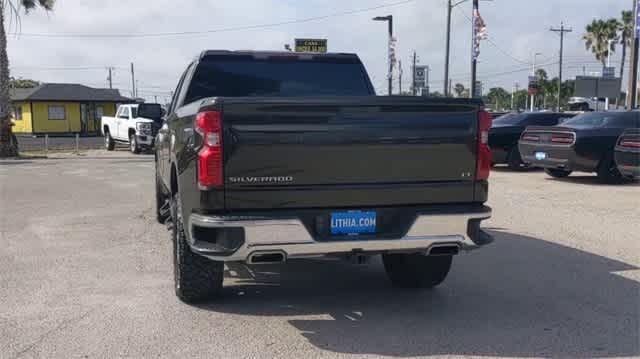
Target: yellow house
{"x": 62, "y": 108}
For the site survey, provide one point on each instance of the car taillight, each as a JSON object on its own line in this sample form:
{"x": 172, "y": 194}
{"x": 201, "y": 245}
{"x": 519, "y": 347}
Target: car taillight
{"x": 630, "y": 143}
{"x": 209, "y": 126}
{"x": 563, "y": 139}
{"x": 484, "y": 152}
{"x": 530, "y": 138}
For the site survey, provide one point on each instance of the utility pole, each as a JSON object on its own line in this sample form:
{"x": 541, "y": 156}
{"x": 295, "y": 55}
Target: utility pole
{"x": 513, "y": 94}
{"x": 474, "y": 40}
{"x": 110, "y": 77}
{"x": 133, "y": 82}
{"x": 413, "y": 87}
{"x": 155, "y": 98}
{"x": 562, "y": 30}
{"x": 400, "y": 77}
{"x": 427, "y": 75}
{"x": 632, "y": 91}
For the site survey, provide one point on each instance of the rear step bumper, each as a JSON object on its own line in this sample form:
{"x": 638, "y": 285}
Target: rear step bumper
{"x": 283, "y": 239}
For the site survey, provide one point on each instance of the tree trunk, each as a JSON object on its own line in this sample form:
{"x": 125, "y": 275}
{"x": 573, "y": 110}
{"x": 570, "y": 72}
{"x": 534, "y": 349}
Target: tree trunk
{"x": 8, "y": 145}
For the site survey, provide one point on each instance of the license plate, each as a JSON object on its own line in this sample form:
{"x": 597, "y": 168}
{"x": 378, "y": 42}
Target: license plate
{"x": 540, "y": 156}
{"x": 353, "y": 222}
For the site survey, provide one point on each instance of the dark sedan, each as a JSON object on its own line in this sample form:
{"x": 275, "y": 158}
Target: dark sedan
{"x": 628, "y": 153}
{"x": 584, "y": 143}
{"x": 507, "y": 129}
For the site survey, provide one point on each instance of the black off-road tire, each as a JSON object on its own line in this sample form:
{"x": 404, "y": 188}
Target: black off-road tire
{"x": 416, "y": 270}
{"x": 557, "y": 173}
{"x": 608, "y": 172}
{"x": 161, "y": 200}
{"x": 133, "y": 144}
{"x": 109, "y": 142}
{"x": 196, "y": 278}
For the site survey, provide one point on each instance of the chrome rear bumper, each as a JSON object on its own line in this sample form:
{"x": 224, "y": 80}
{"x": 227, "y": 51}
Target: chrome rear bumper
{"x": 291, "y": 237}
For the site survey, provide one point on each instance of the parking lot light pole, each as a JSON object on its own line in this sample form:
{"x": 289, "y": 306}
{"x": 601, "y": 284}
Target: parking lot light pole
{"x": 474, "y": 59}
{"x": 533, "y": 73}
{"x": 389, "y": 19}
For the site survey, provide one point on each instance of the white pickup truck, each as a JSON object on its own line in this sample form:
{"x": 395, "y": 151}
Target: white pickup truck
{"x": 134, "y": 124}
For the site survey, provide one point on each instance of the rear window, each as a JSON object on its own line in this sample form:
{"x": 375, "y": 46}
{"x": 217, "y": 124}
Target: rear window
{"x": 510, "y": 119}
{"x": 604, "y": 119}
{"x": 151, "y": 110}
{"x": 240, "y": 76}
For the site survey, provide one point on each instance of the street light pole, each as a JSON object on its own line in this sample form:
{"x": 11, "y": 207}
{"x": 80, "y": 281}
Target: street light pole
{"x": 632, "y": 91}
{"x": 606, "y": 100}
{"x": 448, "y": 49}
{"x": 533, "y": 73}
{"x": 390, "y": 60}
{"x": 389, "y": 19}
{"x": 474, "y": 59}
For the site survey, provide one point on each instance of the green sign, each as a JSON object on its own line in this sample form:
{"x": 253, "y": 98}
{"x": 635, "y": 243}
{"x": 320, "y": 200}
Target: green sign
{"x": 311, "y": 45}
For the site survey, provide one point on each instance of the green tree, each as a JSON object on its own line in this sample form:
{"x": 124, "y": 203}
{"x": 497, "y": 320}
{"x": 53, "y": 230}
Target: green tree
{"x": 499, "y": 98}
{"x": 459, "y": 89}
{"x": 11, "y": 8}
{"x": 626, "y": 27}
{"x": 567, "y": 90}
{"x": 21, "y": 83}
{"x": 520, "y": 99}
{"x": 598, "y": 36}
{"x": 542, "y": 83}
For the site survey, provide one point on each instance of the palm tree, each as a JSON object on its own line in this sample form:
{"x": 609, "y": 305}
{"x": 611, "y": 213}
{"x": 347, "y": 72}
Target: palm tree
{"x": 598, "y": 36}
{"x": 9, "y": 147}
{"x": 626, "y": 27}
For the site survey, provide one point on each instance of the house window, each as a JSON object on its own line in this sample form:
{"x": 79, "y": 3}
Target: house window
{"x": 18, "y": 113}
{"x": 56, "y": 112}
{"x": 99, "y": 112}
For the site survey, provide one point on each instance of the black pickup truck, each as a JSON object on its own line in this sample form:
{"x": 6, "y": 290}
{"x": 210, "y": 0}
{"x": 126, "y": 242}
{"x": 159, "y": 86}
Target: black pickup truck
{"x": 268, "y": 156}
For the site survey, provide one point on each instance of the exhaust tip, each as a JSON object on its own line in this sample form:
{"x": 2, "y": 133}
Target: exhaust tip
{"x": 266, "y": 258}
{"x": 444, "y": 250}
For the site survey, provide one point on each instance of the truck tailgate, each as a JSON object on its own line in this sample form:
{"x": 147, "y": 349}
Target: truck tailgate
{"x": 348, "y": 152}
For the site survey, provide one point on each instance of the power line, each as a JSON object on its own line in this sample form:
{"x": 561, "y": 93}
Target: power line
{"x": 37, "y": 68}
{"x": 228, "y": 29}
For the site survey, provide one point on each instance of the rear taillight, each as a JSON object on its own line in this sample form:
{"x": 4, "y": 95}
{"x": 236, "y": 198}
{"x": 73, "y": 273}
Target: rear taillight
{"x": 562, "y": 138}
{"x": 530, "y": 138}
{"x": 484, "y": 152}
{"x": 209, "y": 126}
{"x": 630, "y": 143}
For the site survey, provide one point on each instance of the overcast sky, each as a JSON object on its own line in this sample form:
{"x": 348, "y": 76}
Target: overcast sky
{"x": 518, "y": 28}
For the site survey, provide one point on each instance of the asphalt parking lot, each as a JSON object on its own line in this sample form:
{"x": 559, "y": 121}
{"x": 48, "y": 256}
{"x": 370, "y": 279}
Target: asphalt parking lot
{"x": 85, "y": 271}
